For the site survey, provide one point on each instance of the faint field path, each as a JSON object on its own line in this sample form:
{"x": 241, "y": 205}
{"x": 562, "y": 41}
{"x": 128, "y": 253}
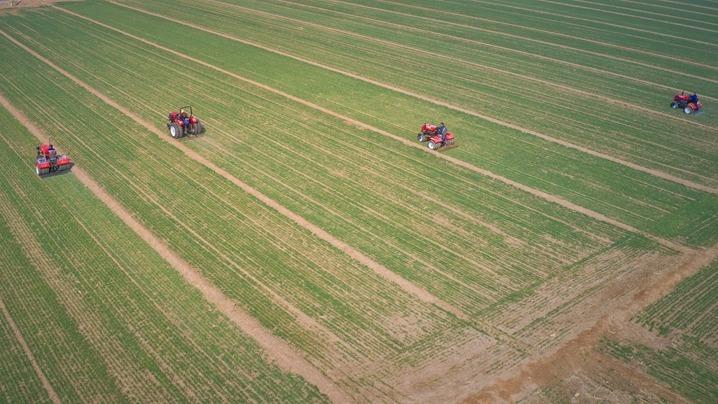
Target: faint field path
{"x": 651, "y": 171}
{"x": 21, "y": 340}
{"x": 280, "y": 352}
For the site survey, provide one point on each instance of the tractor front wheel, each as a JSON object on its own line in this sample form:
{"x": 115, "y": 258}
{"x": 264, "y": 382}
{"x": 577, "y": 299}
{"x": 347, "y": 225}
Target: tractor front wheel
{"x": 175, "y": 131}
{"x": 674, "y": 105}
{"x": 421, "y": 138}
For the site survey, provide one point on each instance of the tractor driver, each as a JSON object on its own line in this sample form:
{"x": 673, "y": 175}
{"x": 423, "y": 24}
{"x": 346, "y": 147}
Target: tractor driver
{"x": 441, "y": 131}
{"x": 693, "y": 98}
{"x": 184, "y": 117}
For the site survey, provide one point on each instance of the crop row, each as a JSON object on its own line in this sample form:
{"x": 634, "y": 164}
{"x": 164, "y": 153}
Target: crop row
{"x": 273, "y": 269}
{"x": 689, "y": 369}
{"x": 687, "y": 317}
{"x": 690, "y": 307}
{"x": 149, "y": 335}
{"x": 561, "y": 112}
{"x": 633, "y": 197}
{"x": 368, "y": 206}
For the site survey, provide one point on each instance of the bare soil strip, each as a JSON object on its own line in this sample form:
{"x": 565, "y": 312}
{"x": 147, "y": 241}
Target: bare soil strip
{"x": 397, "y": 45}
{"x": 18, "y": 335}
{"x": 543, "y": 369}
{"x": 283, "y": 354}
{"x": 651, "y": 171}
{"x": 381, "y": 270}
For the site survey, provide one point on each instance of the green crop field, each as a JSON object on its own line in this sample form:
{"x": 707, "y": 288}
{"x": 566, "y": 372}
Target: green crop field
{"x": 307, "y": 248}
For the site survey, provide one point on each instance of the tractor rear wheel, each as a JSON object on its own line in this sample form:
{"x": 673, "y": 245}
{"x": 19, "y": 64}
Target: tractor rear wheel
{"x": 198, "y": 128}
{"x": 687, "y": 110}
{"x": 433, "y": 146}
{"x": 175, "y": 131}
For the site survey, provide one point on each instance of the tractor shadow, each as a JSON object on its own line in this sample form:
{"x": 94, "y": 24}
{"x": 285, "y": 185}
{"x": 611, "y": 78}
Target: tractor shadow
{"x": 56, "y": 173}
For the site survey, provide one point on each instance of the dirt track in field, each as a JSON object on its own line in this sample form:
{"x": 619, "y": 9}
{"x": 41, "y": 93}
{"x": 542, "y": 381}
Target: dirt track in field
{"x": 21, "y": 340}
{"x": 546, "y": 370}
{"x": 389, "y": 275}
{"x": 651, "y": 171}
{"x": 281, "y": 353}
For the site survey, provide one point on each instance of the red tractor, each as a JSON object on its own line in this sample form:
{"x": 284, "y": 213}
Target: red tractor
{"x": 47, "y": 161}
{"x": 437, "y": 136}
{"x": 688, "y": 103}
{"x": 181, "y": 123}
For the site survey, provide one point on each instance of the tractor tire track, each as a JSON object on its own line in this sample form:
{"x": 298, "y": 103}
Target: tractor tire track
{"x": 36, "y": 367}
{"x": 536, "y": 369}
{"x": 381, "y": 270}
{"x": 583, "y": 149}
{"x": 434, "y": 55}
{"x": 541, "y": 194}
{"x": 284, "y": 355}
